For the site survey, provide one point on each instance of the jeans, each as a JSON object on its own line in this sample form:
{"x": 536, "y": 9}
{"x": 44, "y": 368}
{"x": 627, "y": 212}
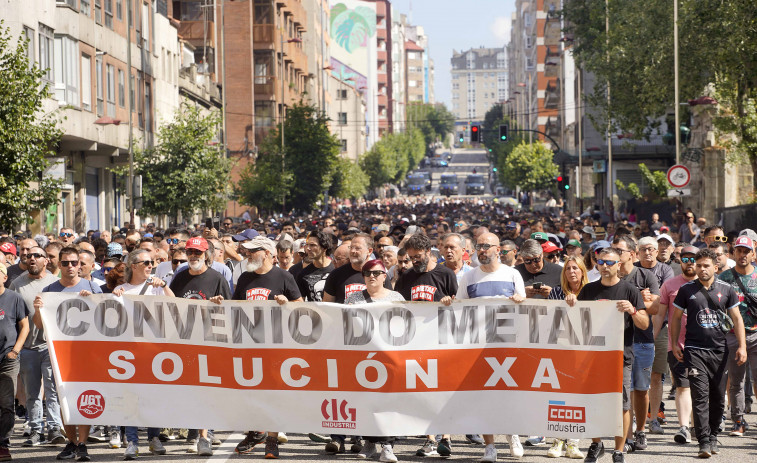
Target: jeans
{"x": 8, "y": 378}
{"x": 36, "y": 371}
{"x": 737, "y": 373}
{"x": 131, "y": 434}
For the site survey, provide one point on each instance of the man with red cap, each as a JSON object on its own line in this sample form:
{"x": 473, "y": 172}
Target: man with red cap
{"x": 551, "y": 252}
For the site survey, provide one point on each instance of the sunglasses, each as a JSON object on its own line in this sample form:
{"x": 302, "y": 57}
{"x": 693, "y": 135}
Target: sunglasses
{"x": 66, "y": 263}
{"x": 195, "y": 252}
{"x": 504, "y": 252}
{"x": 179, "y": 261}
{"x": 36, "y": 256}
{"x": 722, "y": 239}
{"x": 553, "y": 256}
{"x": 66, "y": 235}
{"x": 227, "y": 224}
{"x": 174, "y": 241}
{"x": 532, "y": 261}
{"x": 483, "y": 247}
{"x": 107, "y": 269}
{"x": 373, "y": 273}
{"x": 146, "y": 263}
{"x": 688, "y": 260}
{"x": 609, "y": 263}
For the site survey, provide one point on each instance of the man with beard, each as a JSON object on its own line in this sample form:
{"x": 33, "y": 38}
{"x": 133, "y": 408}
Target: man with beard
{"x": 349, "y": 278}
{"x": 426, "y": 281}
{"x": 263, "y": 282}
{"x": 404, "y": 264}
{"x": 17, "y": 269}
{"x": 311, "y": 279}
{"x": 198, "y": 281}
{"x": 36, "y": 368}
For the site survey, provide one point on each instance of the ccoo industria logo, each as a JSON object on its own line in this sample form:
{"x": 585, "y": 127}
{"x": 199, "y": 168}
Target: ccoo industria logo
{"x": 338, "y": 414}
{"x": 565, "y": 418}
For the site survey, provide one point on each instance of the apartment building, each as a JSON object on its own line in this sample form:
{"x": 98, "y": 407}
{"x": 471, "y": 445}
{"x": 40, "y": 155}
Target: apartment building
{"x": 479, "y": 81}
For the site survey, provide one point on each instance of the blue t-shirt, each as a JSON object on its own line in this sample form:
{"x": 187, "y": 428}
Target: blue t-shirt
{"x": 83, "y": 284}
{"x": 12, "y": 309}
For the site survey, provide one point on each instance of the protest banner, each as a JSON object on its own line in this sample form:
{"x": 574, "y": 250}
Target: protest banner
{"x": 477, "y": 366}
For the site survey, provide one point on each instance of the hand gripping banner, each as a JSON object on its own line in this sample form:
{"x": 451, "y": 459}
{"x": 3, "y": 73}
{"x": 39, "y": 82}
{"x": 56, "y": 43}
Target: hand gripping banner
{"x": 477, "y": 366}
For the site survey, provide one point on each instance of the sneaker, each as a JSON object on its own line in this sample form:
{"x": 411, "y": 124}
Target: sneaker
{"x": 490, "y": 454}
{"x": 640, "y": 440}
{"x": 68, "y": 453}
{"x": 683, "y": 436}
{"x": 748, "y": 405}
{"x": 572, "y": 450}
{"x": 557, "y": 450}
{"x": 27, "y": 429}
{"x": 705, "y": 451}
{"x": 721, "y": 427}
{"x": 54, "y": 437}
{"x": 282, "y": 437}
{"x": 357, "y": 444}
{"x": 536, "y": 440}
{"x": 738, "y": 429}
{"x": 428, "y": 449}
{"x": 318, "y": 438}
{"x": 131, "y": 452}
{"x": 661, "y": 417}
{"x": 97, "y": 434}
{"x": 369, "y": 451}
{"x": 714, "y": 449}
{"x": 213, "y": 439}
{"x": 34, "y": 439}
{"x": 516, "y": 448}
{"x": 271, "y": 448}
{"x": 166, "y": 434}
{"x": 444, "y": 448}
{"x": 596, "y": 450}
{"x": 618, "y": 457}
{"x": 115, "y": 439}
{"x": 475, "y": 439}
{"x": 5, "y": 453}
{"x": 249, "y": 442}
{"x": 333, "y": 447}
{"x": 81, "y": 452}
{"x": 655, "y": 427}
{"x": 629, "y": 447}
{"x": 183, "y": 433}
{"x": 204, "y": 447}
{"x": 156, "y": 446}
{"x": 387, "y": 454}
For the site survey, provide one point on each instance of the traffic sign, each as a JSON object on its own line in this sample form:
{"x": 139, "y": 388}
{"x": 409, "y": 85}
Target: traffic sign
{"x": 678, "y": 192}
{"x": 679, "y": 176}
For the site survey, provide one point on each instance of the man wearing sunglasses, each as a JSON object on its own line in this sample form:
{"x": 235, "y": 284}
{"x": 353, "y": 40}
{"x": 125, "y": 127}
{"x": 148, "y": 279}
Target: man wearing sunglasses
{"x": 22, "y": 248}
{"x": 610, "y": 287}
{"x": 539, "y": 276}
{"x": 66, "y": 236}
{"x": 508, "y": 253}
{"x": 70, "y": 282}
{"x": 36, "y": 369}
{"x": 715, "y": 234}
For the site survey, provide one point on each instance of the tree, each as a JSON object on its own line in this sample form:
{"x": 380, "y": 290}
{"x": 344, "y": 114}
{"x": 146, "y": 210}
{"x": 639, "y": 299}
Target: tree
{"x": 311, "y": 154}
{"x": 497, "y": 150}
{"x": 434, "y": 121}
{"x": 184, "y": 173}
{"x": 380, "y": 164}
{"x": 717, "y": 50}
{"x": 27, "y": 136}
{"x": 349, "y": 180}
{"x": 529, "y": 167}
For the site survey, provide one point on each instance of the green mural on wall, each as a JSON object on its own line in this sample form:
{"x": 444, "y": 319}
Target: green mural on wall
{"x": 351, "y": 28}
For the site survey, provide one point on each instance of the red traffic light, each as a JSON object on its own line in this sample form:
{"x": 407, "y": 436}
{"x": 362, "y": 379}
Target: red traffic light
{"x": 474, "y": 128}
{"x": 559, "y": 178}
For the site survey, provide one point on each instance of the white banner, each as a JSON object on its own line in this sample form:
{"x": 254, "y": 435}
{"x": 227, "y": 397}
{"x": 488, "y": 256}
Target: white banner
{"x": 477, "y": 366}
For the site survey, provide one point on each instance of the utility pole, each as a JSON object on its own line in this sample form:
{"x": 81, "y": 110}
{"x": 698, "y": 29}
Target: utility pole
{"x": 130, "y": 185}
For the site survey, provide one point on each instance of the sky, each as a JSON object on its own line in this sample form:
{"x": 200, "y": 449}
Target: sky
{"x": 457, "y": 25}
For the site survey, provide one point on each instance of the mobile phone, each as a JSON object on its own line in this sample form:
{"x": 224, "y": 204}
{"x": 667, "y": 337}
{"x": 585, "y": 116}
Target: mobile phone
{"x": 537, "y": 285}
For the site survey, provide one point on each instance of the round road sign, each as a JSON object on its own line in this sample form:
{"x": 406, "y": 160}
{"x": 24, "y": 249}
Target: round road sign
{"x": 678, "y": 176}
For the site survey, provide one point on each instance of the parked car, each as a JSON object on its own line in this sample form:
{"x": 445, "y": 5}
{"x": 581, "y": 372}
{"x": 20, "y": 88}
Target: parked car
{"x": 474, "y": 184}
{"x": 448, "y": 185}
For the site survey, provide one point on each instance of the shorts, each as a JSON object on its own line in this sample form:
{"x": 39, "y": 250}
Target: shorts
{"x": 626, "y": 387}
{"x": 660, "y": 365}
{"x": 643, "y": 357}
{"x": 677, "y": 371}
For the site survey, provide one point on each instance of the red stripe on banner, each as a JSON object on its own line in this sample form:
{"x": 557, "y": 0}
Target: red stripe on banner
{"x": 523, "y": 369}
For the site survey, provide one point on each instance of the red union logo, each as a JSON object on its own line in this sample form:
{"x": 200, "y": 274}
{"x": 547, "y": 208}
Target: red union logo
{"x": 566, "y": 414}
{"x": 91, "y": 404}
{"x": 335, "y": 410}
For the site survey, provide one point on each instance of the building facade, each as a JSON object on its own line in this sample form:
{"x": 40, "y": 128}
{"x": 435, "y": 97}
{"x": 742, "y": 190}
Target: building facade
{"x": 479, "y": 81}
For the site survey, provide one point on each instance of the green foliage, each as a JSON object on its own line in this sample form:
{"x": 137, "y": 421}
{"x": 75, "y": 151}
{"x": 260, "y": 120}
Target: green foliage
{"x": 392, "y": 157}
{"x": 349, "y": 180}
{"x": 311, "y": 154}
{"x": 657, "y": 180}
{"x": 632, "y": 189}
{"x": 717, "y": 49}
{"x": 434, "y": 121}
{"x": 490, "y": 133}
{"x": 27, "y": 136}
{"x": 380, "y": 163}
{"x": 184, "y": 172}
{"x": 529, "y": 167}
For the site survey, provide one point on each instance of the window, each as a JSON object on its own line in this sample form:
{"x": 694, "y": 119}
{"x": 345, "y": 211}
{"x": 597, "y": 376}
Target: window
{"x": 98, "y": 11}
{"x": 119, "y": 10}
{"x": 99, "y": 84}
{"x": 84, "y": 7}
{"x": 66, "y": 58}
{"x": 29, "y": 34}
{"x": 344, "y": 144}
{"x": 341, "y": 94}
{"x": 342, "y": 118}
{"x": 108, "y": 4}
{"x": 121, "y": 89}
{"x": 131, "y": 93}
{"x": 86, "y": 82}
{"x": 46, "y": 52}
{"x": 111, "y": 76}
{"x": 71, "y": 3}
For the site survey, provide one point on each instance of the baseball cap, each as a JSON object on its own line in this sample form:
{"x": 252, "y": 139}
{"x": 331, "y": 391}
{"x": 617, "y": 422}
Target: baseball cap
{"x": 148, "y": 235}
{"x": 589, "y": 230}
{"x": 298, "y": 246}
{"x": 549, "y": 247}
{"x": 197, "y": 243}
{"x": 742, "y": 241}
{"x": 248, "y": 234}
{"x": 749, "y": 233}
{"x": 8, "y": 248}
{"x": 689, "y": 250}
{"x": 382, "y": 227}
{"x": 539, "y": 236}
{"x": 666, "y": 237}
{"x": 599, "y": 245}
{"x": 114, "y": 249}
{"x": 575, "y": 243}
{"x": 260, "y": 242}
{"x": 511, "y": 225}
{"x": 664, "y": 229}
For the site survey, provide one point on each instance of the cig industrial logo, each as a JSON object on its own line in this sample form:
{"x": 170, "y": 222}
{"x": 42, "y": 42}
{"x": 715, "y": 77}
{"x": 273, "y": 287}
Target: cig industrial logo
{"x": 338, "y": 414}
{"x": 565, "y": 418}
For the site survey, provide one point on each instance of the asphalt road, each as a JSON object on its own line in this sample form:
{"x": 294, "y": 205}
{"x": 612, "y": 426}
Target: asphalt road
{"x": 661, "y": 449}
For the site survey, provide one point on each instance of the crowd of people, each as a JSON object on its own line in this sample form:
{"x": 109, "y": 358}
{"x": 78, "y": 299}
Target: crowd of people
{"x": 664, "y": 277}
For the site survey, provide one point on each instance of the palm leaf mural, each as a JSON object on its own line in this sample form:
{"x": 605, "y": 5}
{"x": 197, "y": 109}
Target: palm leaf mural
{"x": 352, "y": 28}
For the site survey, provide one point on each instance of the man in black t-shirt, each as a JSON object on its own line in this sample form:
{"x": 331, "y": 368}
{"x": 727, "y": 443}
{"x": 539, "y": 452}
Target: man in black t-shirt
{"x": 705, "y": 352}
{"x": 426, "y": 281}
{"x": 629, "y": 301}
{"x": 348, "y": 279}
{"x": 312, "y": 279}
{"x": 539, "y": 277}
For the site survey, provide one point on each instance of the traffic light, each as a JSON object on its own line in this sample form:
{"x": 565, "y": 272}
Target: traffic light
{"x": 562, "y": 183}
{"x": 474, "y": 134}
{"x": 494, "y": 169}
{"x": 503, "y": 132}
{"x": 462, "y": 139}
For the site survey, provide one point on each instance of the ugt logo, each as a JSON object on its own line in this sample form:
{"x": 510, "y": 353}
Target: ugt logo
{"x": 333, "y": 410}
{"x": 91, "y": 404}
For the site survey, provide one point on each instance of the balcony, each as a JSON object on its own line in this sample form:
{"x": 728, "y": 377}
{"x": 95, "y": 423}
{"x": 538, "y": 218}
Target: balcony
{"x": 266, "y": 88}
{"x": 381, "y": 33}
{"x": 381, "y": 57}
{"x": 552, "y": 95}
{"x": 263, "y": 36}
{"x": 195, "y": 31}
{"x": 296, "y": 9}
{"x": 382, "y": 79}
